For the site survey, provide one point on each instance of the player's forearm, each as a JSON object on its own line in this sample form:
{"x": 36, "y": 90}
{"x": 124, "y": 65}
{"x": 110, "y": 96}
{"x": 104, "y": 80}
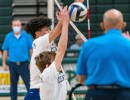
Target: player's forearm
{"x": 55, "y": 32}
{"x": 5, "y": 55}
{"x": 64, "y": 37}
{"x": 62, "y": 45}
{"x": 81, "y": 79}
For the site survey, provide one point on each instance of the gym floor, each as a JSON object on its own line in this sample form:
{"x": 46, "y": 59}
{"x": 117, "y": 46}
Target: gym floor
{"x": 8, "y": 98}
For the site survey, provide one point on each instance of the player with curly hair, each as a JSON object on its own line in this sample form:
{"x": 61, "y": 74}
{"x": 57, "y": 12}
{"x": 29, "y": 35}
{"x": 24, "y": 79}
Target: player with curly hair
{"x": 39, "y": 29}
{"x": 53, "y": 84}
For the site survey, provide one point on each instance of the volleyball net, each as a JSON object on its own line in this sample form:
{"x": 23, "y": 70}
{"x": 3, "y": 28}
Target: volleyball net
{"x": 69, "y": 63}
{"x": 69, "y": 67}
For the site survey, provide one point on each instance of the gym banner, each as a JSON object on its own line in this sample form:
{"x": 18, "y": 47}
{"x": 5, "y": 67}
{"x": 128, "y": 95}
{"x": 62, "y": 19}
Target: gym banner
{"x": 5, "y": 83}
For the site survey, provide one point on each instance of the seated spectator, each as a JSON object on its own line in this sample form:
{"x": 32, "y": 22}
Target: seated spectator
{"x": 78, "y": 43}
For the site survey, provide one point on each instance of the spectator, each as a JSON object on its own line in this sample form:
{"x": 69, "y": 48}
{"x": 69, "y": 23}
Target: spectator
{"x": 78, "y": 43}
{"x": 17, "y": 47}
{"x": 103, "y": 63}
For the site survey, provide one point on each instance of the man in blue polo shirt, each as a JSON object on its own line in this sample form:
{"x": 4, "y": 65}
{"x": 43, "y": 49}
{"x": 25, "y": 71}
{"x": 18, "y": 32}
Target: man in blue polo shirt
{"x": 17, "y": 47}
{"x": 104, "y": 62}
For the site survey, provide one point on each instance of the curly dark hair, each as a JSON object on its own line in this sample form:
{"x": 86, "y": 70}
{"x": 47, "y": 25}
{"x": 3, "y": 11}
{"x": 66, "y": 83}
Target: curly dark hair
{"x": 36, "y": 24}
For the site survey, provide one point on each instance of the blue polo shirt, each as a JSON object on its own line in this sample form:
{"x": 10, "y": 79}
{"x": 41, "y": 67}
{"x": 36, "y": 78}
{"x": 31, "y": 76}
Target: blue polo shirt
{"x": 105, "y": 60}
{"x": 18, "y": 49}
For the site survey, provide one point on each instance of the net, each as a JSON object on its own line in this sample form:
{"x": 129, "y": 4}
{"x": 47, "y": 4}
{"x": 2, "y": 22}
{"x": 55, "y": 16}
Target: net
{"x": 69, "y": 62}
{"x": 69, "y": 65}
{"x": 82, "y": 27}
{"x": 79, "y": 92}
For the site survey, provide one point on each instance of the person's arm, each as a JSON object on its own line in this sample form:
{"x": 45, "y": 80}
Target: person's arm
{"x": 5, "y": 55}
{"x": 62, "y": 45}
{"x": 81, "y": 67}
{"x": 81, "y": 78}
{"x": 5, "y": 48}
{"x": 55, "y": 32}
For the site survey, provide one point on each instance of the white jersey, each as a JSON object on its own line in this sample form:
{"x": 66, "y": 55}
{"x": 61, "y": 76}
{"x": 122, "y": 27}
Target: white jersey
{"x": 53, "y": 84}
{"x": 40, "y": 44}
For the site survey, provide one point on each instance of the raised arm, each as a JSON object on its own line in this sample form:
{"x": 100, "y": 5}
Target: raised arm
{"x": 58, "y": 28}
{"x": 62, "y": 45}
{"x": 55, "y": 32}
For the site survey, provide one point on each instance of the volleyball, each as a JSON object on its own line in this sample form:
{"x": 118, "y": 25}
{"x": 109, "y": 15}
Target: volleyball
{"x": 77, "y": 12}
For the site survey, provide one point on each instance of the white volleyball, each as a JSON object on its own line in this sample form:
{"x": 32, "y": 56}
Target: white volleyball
{"x": 77, "y": 12}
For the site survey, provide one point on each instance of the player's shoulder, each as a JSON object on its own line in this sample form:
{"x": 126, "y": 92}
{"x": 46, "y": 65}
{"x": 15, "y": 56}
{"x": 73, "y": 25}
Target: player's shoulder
{"x": 52, "y": 65}
{"x": 38, "y": 40}
{"x": 49, "y": 73}
{"x": 53, "y": 69}
{"x": 42, "y": 38}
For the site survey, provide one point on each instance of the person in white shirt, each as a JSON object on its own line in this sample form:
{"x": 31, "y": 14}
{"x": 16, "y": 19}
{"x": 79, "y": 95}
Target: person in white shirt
{"x": 39, "y": 29}
{"x": 53, "y": 84}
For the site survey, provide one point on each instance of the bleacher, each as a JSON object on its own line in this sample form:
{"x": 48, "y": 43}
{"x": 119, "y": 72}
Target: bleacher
{"x": 19, "y": 9}
{"x": 27, "y": 9}
{"x": 5, "y": 18}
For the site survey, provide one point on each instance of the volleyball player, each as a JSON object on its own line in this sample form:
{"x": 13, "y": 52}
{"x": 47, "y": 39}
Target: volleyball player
{"x": 53, "y": 85}
{"x": 39, "y": 29}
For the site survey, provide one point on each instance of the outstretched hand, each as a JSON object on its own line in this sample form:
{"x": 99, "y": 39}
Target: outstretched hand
{"x": 63, "y": 15}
